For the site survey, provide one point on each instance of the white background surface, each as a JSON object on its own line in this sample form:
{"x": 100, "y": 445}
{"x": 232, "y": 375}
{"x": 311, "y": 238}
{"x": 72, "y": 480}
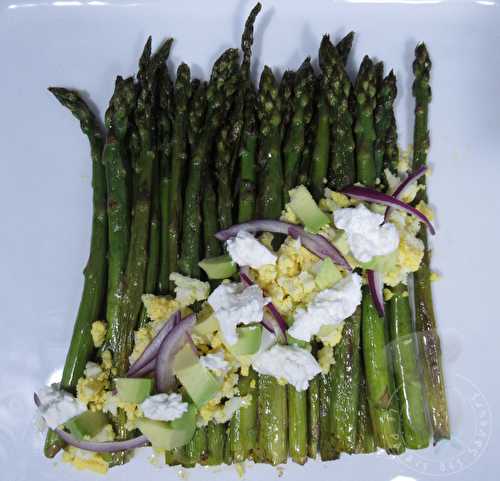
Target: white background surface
{"x": 45, "y": 197}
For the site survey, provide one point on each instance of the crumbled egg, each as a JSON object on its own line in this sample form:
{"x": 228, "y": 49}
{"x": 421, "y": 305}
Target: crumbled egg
{"x": 423, "y": 207}
{"x": 326, "y": 359}
{"x": 189, "y": 290}
{"x": 98, "y": 333}
{"x": 159, "y": 308}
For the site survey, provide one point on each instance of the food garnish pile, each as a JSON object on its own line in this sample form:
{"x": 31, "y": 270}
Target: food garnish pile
{"x": 246, "y": 295}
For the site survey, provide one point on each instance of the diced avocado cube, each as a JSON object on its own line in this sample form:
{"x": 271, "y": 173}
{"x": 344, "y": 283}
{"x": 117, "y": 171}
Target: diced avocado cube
{"x": 89, "y": 423}
{"x": 133, "y": 390}
{"x": 382, "y": 264}
{"x": 206, "y": 327}
{"x": 171, "y": 434}
{"x": 327, "y": 274}
{"x": 220, "y": 267}
{"x": 199, "y": 382}
{"x": 306, "y": 209}
{"x": 249, "y": 340}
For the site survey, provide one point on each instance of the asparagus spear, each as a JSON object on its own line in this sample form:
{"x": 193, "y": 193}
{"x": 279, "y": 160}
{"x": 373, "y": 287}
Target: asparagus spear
{"x": 270, "y": 197}
{"x": 342, "y": 170}
{"x": 382, "y": 397}
{"x": 118, "y": 207}
{"x": 425, "y": 320}
{"x": 242, "y": 435}
{"x": 166, "y": 109}
{"x": 313, "y": 419}
{"x": 302, "y": 110}
{"x": 94, "y": 287}
{"x": 195, "y": 451}
{"x": 345, "y": 397}
{"x": 385, "y": 127}
{"x": 415, "y": 426}
{"x": 365, "y": 442}
{"x": 297, "y": 425}
{"x": 137, "y": 257}
{"x": 216, "y": 439}
{"x": 344, "y": 47}
{"x": 326, "y": 446}
{"x": 365, "y": 91}
{"x": 222, "y": 86}
{"x": 182, "y": 93}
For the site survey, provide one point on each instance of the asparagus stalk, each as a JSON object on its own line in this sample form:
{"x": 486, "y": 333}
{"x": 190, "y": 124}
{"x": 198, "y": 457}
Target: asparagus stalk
{"x": 302, "y": 112}
{"x": 345, "y": 398}
{"x": 179, "y": 156}
{"x": 364, "y": 92}
{"x": 216, "y": 439}
{"x": 415, "y": 426}
{"x": 166, "y": 109}
{"x": 327, "y": 449}
{"x": 243, "y": 426}
{"x": 313, "y": 419}
{"x": 270, "y": 197}
{"x": 195, "y": 451}
{"x": 297, "y": 425}
{"x": 382, "y": 397}
{"x": 344, "y": 47}
{"x": 425, "y": 320}
{"x": 118, "y": 207}
{"x": 222, "y": 86}
{"x": 385, "y": 127}
{"x": 365, "y": 442}
{"x": 94, "y": 287}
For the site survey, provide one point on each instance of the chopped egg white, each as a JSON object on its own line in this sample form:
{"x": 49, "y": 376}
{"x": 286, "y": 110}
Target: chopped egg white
{"x": 92, "y": 370}
{"x": 164, "y": 407}
{"x": 292, "y": 364}
{"x": 215, "y": 362}
{"x": 328, "y": 307}
{"x": 58, "y": 406}
{"x": 366, "y": 235}
{"x": 233, "y": 303}
{"x": 246, "y": 250}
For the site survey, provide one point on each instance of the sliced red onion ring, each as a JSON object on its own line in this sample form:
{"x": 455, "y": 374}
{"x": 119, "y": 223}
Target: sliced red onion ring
{"x": 165, "y": 378}
{"x": 403, "y": 187}
{"x": 316, "y": 243}
{"x": 151, "y": 351}
{"x": 145, "y": 370}
{"x": 98, "y": 447}
{"x": 273, "y": 321}
{"x": 376, "y": 286}
{"x": 370, "y": 195}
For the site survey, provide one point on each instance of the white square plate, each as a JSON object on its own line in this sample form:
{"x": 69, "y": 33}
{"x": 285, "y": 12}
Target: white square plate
{"x": 45, "y": 194}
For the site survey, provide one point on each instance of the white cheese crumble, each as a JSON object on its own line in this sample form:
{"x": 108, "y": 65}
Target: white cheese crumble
{"x": 164, "y": 407}
{"x": 58, "y": 406}
{"x": 189, "y": 290}
{"x": 246, "y": 250}
{"x": 92, "y": 370}
{"x": 365, "y": 234}
{"x": 329, "y": 307}
{"x": 293, "y": 364}
{"x": 215, "y": 362}
{"x": 233, "y": 303}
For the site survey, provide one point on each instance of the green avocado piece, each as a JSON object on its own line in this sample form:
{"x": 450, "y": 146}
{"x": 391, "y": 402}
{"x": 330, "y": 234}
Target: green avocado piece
{"x": 89, "y": 423}
{"x": 220, "y": 267}
{"x": 249, "y": 340}
{"x": 169, "y": 434}
{"x": 306, "y": 209}
{"x": 199, "y": 382}
{"x": 382, "y": 264}
{"x": 328, "y": 274}
{"x": 206, "y": 327}
{"x": 133, "y": 390}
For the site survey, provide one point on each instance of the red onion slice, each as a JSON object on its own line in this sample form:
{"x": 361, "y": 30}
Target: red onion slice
{"x": 151, "y": 351}
{"x": 403, "y": 187}
{"x": 98, "y": 447}
{"x": 370, "y": 195}
{"x": 144, "y": 370}
{"x": 376, "y": 286}
{"x": 316, "y": 243}
{"x": 165, "y": 378}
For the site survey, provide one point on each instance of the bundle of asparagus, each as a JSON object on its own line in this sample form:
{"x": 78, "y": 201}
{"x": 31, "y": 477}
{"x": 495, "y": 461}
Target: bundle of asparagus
{"x": 176, "y": 161}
